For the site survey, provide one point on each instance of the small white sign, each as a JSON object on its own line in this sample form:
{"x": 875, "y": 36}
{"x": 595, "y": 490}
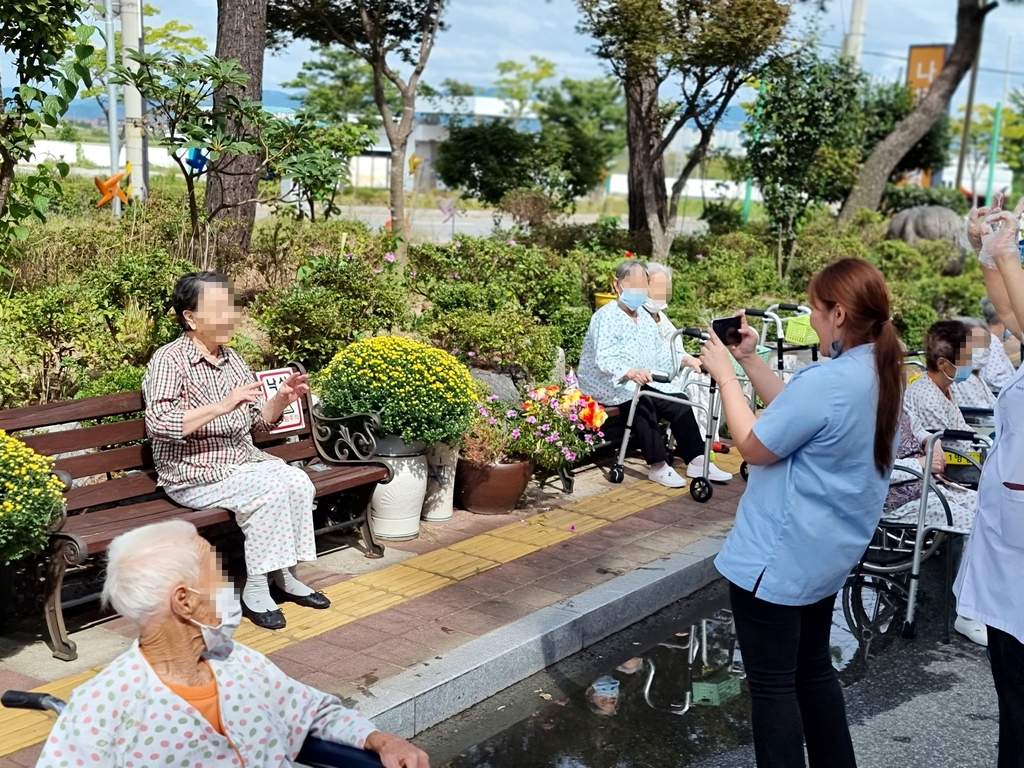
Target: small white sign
{"x": 293, "y": 417}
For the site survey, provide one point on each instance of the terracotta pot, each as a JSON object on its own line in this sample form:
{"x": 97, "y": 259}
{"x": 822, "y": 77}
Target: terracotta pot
{"x": 494, "y": 489}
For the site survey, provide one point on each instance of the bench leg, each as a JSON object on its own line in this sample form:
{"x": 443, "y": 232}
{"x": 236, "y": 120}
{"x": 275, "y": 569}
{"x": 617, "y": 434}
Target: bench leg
{"x": 64, "y": 550}
{"x": 373, "y": 549}
{"x": 568, "y": 481}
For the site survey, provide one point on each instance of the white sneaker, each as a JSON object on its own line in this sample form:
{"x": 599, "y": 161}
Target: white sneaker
{"x": 973, "y": 630}
{"x": 666, "y": 476}
{"x": 715, "y": 475}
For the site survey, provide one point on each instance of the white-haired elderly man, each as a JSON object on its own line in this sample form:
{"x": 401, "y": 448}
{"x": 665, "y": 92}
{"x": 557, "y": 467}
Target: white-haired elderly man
{"x": 620, "y": 351}
{"x": 185, "y": 694}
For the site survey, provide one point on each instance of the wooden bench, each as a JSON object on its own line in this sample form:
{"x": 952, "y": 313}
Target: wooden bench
{"x": 122, "y": 493}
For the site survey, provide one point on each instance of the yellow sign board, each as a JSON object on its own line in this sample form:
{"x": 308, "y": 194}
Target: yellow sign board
{"x": 923, "y": 66}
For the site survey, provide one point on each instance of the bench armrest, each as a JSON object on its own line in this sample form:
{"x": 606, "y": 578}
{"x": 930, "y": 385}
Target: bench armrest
{"x": 344, "y": 438}
{"x": 65, "y": 478}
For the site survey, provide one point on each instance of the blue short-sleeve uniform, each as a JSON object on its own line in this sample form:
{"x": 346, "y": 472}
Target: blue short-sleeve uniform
{"x": 805, "y": 521}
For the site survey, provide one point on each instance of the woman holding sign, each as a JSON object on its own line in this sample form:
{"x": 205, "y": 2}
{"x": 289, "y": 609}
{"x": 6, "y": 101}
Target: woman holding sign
{"x": 202, "y": 403}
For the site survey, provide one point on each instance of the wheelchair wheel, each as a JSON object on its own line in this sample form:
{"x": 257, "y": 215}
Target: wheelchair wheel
{"x": 701, "y": 489}
{"x": 744, "y": 471}
{"x": 616, "y": 473}
{"x": 872, "y": 603}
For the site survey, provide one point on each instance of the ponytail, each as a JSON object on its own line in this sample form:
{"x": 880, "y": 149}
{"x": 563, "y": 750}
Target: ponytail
{"x": 861, "y": 289}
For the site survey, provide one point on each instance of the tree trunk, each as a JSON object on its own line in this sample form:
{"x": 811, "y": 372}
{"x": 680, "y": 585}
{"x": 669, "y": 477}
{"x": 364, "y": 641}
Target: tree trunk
{"x": 242, "y": 35}
{"x": 397, "y": 191}
{"x": 643, "y": 135}
{"x": 870, "y": 186}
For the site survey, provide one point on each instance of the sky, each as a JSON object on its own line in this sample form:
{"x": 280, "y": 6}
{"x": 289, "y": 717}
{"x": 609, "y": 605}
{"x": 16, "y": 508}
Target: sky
{"x": 482, "y": 32}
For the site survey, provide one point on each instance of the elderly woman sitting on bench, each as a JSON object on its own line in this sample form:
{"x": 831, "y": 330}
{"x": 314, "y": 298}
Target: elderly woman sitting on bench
{"x": 185, "y": 693}
{"x": 202, "y": 402}
{"x": 621, "y": 349}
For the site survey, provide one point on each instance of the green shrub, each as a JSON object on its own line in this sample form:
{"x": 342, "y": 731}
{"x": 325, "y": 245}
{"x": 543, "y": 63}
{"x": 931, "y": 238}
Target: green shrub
{"x": 509, "y": 341}
{"x": 721, "y": 217}
{"x": 123, "y": 378}
{"x": 280, "y": 245}
{"x": 572, "y": 324}
{"x": 899, "y": 198}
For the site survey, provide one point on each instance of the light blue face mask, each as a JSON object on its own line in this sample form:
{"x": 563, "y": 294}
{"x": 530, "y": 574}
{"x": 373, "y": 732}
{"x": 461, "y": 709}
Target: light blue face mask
{"x": 633, "y": 298}
{"x": 963, "y": 373}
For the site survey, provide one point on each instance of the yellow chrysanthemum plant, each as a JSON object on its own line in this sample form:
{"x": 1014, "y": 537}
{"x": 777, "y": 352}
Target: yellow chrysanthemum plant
{"x": 422, "y": 393}
{"x": 30, "y": 499}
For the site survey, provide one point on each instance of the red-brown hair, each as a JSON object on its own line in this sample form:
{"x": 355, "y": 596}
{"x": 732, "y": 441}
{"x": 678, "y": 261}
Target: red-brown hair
{"x": 860, "y": 289}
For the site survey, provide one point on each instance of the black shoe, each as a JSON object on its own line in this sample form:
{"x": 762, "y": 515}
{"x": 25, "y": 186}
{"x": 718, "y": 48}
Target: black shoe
{"x": 316, "y": 600}
{"x": 266, "y": 620}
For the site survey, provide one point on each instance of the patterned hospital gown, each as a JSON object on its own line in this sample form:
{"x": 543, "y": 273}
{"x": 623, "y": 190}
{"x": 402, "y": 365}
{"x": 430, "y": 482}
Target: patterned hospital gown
{"x": 931, "y": 411}
{"x": 614, "y": 343}
{"x": 126, "y": 717}
{"x": 973, "y": 393}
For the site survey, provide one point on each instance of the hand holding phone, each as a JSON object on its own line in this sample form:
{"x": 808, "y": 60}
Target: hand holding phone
{"x": 728, "y": 329}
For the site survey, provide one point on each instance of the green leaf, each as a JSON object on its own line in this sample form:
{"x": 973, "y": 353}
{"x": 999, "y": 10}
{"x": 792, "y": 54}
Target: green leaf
{"x": 20, "y": 232}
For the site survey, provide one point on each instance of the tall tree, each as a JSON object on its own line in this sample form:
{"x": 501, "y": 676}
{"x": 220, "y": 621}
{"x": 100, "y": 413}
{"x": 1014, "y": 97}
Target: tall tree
{"x": 875, "y": 173}
{"x": 979, "y": 142}
{"x": 338, "y": 84}
{"x": 518, "y": 84}
{"x": 379, "y": 33}
{"x": 232, "y": 187}
{"x": 885, "y": 105}
{"x": 709, "y": 49}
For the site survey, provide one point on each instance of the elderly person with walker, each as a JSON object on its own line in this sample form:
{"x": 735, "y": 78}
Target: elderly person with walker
{"x": 820, "y": 457}
{"x": 620, "y": 351}
{"x": 185, "y": 693}
{"x": 202, "y": 403}
{"x": 988, "y": 585}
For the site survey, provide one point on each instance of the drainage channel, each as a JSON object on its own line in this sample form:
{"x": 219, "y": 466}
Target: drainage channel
{"x": 667, "y": 691}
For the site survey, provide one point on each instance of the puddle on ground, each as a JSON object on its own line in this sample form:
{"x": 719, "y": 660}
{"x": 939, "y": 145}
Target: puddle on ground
{"x": 681, "y": 700}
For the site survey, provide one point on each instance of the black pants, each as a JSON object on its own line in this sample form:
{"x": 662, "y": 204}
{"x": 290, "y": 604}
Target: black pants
{"x": 1007, "y": 655}
{"x": 794, "y": 690}
{"x": 650, "y": 411}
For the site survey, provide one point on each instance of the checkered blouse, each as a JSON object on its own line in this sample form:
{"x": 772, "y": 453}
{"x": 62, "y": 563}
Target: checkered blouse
{"x": 181, "y": 378}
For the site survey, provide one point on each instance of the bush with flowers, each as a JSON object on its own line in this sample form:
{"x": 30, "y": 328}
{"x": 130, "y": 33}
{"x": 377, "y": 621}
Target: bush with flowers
{"x": 30, "y": 499}
{"x": 420, "y": 392}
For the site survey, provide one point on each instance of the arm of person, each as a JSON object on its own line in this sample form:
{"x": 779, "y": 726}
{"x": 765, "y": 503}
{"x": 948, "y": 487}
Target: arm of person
{"x": 269, "y": 412}
{"x": 1005, "y": 284}
{"x": 997, "y": 291}
{"x": 766, "y": 382}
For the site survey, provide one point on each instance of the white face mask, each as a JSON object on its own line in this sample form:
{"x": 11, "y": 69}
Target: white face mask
{"x": 980, "y": 357}
{"x": 229, "y": 608}
{"x": 656, "y": 306}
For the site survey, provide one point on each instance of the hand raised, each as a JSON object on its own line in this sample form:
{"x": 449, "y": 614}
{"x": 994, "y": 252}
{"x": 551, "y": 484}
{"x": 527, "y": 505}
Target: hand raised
{"x": 292, "y": 388}
{"x": 246, "y": 393}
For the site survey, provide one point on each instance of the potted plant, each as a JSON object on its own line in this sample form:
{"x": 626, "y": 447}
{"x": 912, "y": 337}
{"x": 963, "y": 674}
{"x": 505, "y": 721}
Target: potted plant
{"x": 605, "y": 277}
{"x": 30, "y": 499}
{"x": 423, "y": 396}
{"x": 553, "y": 427}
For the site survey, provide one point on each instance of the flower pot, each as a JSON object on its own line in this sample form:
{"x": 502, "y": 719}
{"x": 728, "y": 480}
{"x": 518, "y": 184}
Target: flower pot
{"x": 440, "y": 501}
{"x": 396, "y": 506}
{"x": 393, "y": 445}
{"x": 493, "y": 489}
{"x": 601, "y": 298}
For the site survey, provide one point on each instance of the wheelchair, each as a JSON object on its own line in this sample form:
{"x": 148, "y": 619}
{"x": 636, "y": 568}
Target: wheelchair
{"x": 315, "y": 753}
{"x": 898, "y": 549}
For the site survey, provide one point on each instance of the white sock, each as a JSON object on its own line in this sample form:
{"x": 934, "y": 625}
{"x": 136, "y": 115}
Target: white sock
{"x": 658, "y": 467}
{"x": 256, "y": 594}
{"x": 289, "y": 582}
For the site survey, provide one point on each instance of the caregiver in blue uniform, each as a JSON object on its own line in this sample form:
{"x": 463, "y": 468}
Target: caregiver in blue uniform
{"x": 990, "y": 585}
{"x": 820, "y": 457}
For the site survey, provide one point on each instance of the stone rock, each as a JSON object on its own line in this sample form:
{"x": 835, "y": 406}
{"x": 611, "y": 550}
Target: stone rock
{"x": 501, "y": 385}
{"x": 558, "y": 369}
{"x": 925, "y": 222}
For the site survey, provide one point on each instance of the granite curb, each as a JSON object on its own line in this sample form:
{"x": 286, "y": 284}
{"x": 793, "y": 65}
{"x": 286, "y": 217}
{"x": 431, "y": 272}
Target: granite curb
{"x": 434, "y": 691}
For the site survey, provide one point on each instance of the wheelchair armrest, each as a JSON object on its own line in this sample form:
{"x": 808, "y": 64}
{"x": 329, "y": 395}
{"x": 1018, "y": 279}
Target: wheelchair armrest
{"x": 317, "y": 753}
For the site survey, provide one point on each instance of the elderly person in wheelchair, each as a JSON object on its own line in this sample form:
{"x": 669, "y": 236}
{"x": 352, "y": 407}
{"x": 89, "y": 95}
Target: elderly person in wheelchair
{"x": 974, "y": 392}
{"x": 620, "y": 351}
{"x": 185, "y": 693}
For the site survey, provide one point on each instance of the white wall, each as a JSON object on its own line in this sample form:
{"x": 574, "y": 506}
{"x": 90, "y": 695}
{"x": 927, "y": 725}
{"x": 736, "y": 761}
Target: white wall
{"x": 712, "y": 189}
{"x": 99, "y": 154}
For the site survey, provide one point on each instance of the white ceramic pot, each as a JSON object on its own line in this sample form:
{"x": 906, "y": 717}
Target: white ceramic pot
{"x": 396, "y": 506}
{"x": 439, "y": 504}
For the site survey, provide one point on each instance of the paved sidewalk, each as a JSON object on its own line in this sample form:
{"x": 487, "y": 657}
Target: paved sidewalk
{"x": 458, "y": 581}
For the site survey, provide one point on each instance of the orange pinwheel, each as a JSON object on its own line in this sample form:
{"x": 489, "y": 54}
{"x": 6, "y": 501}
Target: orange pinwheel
{"x": 110, "y": 189}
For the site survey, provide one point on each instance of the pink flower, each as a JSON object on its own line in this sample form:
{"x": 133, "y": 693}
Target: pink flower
{"x": 455, "y": 351}
{"x": 531, "y": 419}
{"x": 571, "y": 528}
{"x": 511, "y": 414}
{"x": 700, "y": 255}
{"x": 545, "y": 427}
{"x": 573, "y": 417}
{"x": 413, "y": 272}
{"x": 483, "y": 411}
{"x": 471, "y": 353}
{"x": 589, "y": 438}
{"x": 571, "y": 457}
{"x": 492, "y": 398}
{"x": 456, "y": 275}
{"x": 458, "y": 243}
{"x": 378, "y": 270}
{"x": 494, "y": 420}
{"x": 510, "y": 241}
{"x": 389, "y": 256}
{"x": 549, "y": 439}
{"x": 514, "y": 434}
{"x": 600, "y": 434}
{"x": 555, "y": 435}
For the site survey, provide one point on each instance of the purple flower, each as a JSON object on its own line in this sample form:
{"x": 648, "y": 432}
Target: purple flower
{"x": 573, "y": 417}
{"x": 511, "y": 414}
{"x": 471, "y": 353}
{"x": 413, "y": 272}
{"x": 456, "y": 275}
{"x": 531, "y": 419}
{"x": 483, "y": 411}
{"x": 555, "y": 435}
{"x": 458, "y": 243}
{"x": 492, "y": 398}
{"x": 700, "y": 255}
{"x": 589, "y": 438}
{"x": 545, "y": 427}
{"x": 571, "y": 457}
{"x": 494, "y": 420}
{"x": 600, "y": 434}
{"x": 510, "y": 241}
{"x": 455, "y": 351}
{"x": 549, "y": 439}
{"x": 514, "y": 434}
{"x": 389, "y": 256}
{"x": 378, "y": 270}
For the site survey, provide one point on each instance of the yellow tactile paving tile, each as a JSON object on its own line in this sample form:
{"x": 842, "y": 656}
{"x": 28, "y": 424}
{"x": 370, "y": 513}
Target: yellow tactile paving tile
{"x": 374, "y": 592}
{"x": 405, "y": 581}
{"x": 451, "y": 563}
{"x": 494, "y": 548}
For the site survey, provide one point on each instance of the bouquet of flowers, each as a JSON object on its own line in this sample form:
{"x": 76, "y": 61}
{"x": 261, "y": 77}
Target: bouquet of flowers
{"x": 30, "y": 499}
{"x": 420, "y": 392}
{"x": 559, "y": 424}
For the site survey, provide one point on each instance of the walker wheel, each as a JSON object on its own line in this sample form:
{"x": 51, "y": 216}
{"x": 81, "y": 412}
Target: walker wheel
{"x": 745, "y": 471}
{"x": 701, "y": 489}
{"x": 909, "y": 630}
{"x": 616, "y": 474}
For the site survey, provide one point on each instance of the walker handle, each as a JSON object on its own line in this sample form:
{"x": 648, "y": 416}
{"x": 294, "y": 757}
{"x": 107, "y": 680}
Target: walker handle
{"x": 959, "y": 434}
{"x": 661, "y": 378}
{"x": 29, "y": 700}
{"x": 790, "y": 307}
{"x": 695, "y": 333}
{"x": 754, "y": 312}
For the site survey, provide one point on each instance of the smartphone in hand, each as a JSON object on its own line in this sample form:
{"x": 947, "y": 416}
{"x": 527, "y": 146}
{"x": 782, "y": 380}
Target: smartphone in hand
{"x": 728, "y": 329}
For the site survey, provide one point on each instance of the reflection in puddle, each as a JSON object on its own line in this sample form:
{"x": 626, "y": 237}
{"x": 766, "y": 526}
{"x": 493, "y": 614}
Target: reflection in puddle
{"x": 680, "y": 700}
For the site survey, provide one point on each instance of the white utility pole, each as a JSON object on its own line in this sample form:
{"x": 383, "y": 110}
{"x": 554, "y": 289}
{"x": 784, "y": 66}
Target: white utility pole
{"x": 853, "y": 43}
{"x": 115, "y": 149}
{"x": 135, "y": 153}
